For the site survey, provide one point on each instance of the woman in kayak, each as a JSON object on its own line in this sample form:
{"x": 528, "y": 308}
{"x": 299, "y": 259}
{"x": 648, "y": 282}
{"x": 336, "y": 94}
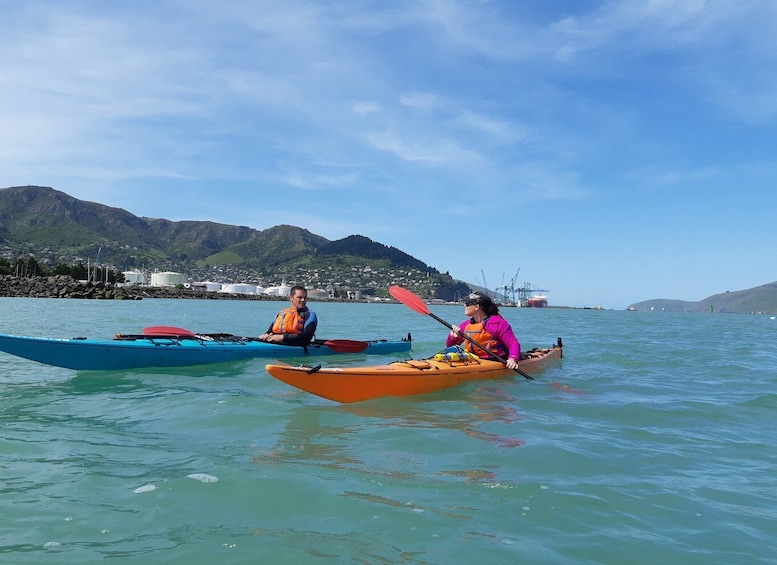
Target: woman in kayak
{"x": 295, "y": 325}
{"x": 487, "y": 327}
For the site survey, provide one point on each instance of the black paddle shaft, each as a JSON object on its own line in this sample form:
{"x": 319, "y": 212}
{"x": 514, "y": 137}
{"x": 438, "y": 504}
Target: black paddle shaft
{"x": 486, "y": 349}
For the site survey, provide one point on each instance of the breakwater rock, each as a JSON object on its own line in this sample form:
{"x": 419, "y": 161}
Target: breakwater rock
{"x": 63, "y": 286}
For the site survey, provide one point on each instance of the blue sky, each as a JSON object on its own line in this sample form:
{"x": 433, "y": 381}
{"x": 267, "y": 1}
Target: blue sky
{"x": 612, "y": 151}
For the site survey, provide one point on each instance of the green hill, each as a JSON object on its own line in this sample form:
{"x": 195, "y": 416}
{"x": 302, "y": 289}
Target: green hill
{"x": 40, "y": 217}
{"x": 55, "y": 227}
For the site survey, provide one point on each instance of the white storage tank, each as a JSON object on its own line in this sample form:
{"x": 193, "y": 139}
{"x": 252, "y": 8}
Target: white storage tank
{"x": 234, "y": 288}
{"x": 240, "y": 288}
{"x": 134, "y": 277}
{"x": 282, "y": 290}
{"x": 250, "y": 288}
{"x": 167, "y": 278}
{"x": 205, "y": 285}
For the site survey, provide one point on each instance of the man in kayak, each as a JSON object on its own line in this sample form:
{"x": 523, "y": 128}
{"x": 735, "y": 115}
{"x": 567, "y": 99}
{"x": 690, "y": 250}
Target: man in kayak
{"x": 295, "y": 325}
{"x": 487, "y": 327}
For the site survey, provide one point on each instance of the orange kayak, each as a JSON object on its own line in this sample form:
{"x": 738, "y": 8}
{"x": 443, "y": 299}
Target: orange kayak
{"x": 402, "y": 378}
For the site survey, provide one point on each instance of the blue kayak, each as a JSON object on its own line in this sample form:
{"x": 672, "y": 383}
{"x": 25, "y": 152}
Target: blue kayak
{"x": 137, "y": 351}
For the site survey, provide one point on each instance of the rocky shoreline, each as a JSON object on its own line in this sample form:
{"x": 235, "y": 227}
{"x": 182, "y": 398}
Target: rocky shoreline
{"x": 63, "y": 286}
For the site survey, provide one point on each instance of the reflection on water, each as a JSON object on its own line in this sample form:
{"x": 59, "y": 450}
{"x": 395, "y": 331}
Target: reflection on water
{"x": 362, "y": 436}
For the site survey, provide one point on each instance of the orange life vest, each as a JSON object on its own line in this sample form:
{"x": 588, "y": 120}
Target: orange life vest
{"x": 478, "y": 332}
{"x": 289, "y": 321}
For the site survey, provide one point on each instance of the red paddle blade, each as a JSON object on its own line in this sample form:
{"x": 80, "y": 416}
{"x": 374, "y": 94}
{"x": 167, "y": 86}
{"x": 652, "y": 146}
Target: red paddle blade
{"x": 346, "y": 345}
{"x": 165, "y": 330}
{"x": 409, "y": 299}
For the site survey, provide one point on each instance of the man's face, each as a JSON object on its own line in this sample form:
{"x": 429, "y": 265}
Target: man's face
{"x": 299, "y": 298}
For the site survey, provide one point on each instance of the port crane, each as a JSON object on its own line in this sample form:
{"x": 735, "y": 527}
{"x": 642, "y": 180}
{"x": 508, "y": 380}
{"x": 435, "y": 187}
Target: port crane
{"x": 525, "y": 292}
{"x": 94, "y": 274}
{"x": 512, "y": 292}
{"x": 518, "y": 294}
{"x": 485, "y": 284}
{"x": 509, "y": 288}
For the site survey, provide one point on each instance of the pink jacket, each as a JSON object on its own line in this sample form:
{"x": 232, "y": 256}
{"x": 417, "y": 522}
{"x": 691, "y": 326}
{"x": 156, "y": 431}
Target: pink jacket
{"x": 500, "y": 329}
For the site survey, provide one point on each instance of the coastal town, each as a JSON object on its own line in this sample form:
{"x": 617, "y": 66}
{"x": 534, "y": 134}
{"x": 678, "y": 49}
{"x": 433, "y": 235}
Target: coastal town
{"x": 356, "y": 283}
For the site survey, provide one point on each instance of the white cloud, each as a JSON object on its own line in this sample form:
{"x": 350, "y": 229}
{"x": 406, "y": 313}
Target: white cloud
{"x": 321, "y": 181}
{"x": 417, "y": 148}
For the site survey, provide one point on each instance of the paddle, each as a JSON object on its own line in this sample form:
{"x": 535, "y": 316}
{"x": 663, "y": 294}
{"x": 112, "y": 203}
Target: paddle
{"x": 339, "y": 345}
{"x": 346, "y": 345}
{"x": 166, "y": 331}
{"x": 416, "y": 303}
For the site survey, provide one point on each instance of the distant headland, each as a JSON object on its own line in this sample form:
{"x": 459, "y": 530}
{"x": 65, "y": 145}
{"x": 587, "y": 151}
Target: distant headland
{"x": 758, "y": 300}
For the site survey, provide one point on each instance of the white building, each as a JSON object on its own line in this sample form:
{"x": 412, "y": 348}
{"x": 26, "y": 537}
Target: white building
{"x": 318, "y": 294}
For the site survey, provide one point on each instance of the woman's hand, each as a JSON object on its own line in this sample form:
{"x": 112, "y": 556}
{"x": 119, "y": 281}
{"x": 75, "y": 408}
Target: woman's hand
{"x": 511, "y": 363}
{"x": 455, "y": 331}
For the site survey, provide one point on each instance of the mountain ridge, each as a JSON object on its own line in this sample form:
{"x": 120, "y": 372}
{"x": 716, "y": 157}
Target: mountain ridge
{"x": 757, "y": 300}
{"x": 53, "y": 224}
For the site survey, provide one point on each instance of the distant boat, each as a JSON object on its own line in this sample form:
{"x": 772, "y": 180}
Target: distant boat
{"x": 631, "y": 309}
{"x": 537, "y": 301}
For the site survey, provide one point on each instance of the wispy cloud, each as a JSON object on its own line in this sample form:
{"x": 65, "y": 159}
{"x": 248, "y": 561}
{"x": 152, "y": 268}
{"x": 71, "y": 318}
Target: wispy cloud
{"x": 424, "y": 149}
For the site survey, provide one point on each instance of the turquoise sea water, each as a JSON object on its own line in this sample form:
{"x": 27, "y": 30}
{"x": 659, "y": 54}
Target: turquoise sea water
{"x": 652, "y": 441}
